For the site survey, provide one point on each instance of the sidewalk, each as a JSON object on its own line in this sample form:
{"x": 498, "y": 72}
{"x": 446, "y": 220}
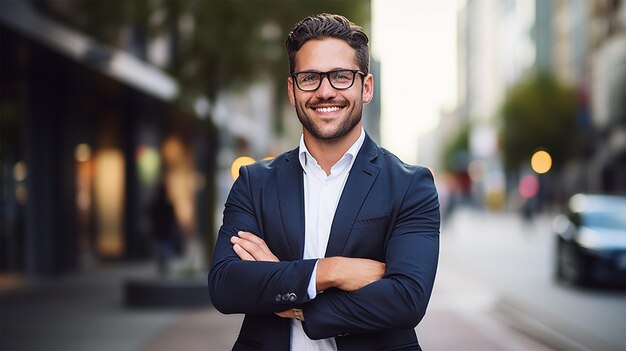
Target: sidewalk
{"x": 85, "y": 312}
{"x": 460, "y": 316}
{"x": 79, "y": 312}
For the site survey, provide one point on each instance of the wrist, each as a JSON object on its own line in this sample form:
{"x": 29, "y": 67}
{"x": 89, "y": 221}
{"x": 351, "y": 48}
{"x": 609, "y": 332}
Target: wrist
{"x": 327, "y": 273}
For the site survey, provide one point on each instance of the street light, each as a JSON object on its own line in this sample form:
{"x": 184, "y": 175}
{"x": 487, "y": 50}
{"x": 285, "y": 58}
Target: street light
{"x": 237, "y": 163}
{"x": 541, "y": 162}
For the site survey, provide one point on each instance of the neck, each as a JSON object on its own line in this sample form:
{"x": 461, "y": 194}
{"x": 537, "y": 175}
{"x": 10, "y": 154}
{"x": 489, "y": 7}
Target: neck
{"x": 329, "y": 152}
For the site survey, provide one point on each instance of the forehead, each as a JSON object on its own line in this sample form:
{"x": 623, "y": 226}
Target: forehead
{"x": 325, "y": 54}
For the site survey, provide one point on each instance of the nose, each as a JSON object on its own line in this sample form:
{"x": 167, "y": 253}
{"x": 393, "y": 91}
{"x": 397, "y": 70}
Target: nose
{"x": 325, "y": 91}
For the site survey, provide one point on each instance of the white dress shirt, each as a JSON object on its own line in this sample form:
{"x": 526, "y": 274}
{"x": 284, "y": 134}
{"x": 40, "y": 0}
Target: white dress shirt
{"x": 321, "y": 196}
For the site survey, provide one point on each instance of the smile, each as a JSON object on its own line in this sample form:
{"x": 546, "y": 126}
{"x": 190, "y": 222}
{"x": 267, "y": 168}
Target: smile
{"x": 328, "y": 109}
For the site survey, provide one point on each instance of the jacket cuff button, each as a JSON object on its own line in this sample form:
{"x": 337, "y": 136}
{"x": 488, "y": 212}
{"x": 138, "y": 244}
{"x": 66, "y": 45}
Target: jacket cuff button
{"x": 277, "y": 298}
{"x": 293, "y": 297}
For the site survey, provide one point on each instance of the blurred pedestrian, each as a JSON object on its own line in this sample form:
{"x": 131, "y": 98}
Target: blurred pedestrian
{"x": 164, "y": 229}
{"x": 333, "y": 245}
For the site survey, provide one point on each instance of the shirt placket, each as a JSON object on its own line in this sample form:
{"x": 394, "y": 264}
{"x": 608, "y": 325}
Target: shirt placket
{"x": 325, "y": 216}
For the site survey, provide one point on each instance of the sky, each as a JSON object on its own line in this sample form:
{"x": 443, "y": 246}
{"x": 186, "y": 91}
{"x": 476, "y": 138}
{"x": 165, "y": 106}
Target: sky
{"x": 415, "y": 41}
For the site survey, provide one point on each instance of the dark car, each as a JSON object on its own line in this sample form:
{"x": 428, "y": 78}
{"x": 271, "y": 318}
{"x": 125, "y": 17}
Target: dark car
{"x": 591, "y": 240}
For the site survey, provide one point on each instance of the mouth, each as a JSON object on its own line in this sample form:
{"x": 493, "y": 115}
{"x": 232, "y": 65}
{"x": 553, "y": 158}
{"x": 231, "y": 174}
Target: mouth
{"x": 325, "y": 109}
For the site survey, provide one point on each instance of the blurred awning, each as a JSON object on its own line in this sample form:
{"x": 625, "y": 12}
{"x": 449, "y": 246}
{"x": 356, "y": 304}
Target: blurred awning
{"x": 115, "y": 63}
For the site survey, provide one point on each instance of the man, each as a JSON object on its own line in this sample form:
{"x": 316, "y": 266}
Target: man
{"x": 333, "y": 245}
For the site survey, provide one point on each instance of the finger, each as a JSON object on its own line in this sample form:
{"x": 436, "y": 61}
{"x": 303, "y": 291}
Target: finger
{"x": 251, "y": 237}
{"x": 286, "y": 314}
{"x": 253, "y": 249}
{"x": 260, "y": 243}
{"x": 242, "y": 253}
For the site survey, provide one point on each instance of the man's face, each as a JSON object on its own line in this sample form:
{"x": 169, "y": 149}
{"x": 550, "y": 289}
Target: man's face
{"x": 328, "y": 114}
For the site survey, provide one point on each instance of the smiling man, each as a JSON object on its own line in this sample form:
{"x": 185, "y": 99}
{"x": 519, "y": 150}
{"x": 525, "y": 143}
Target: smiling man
{"x": 333, "y": 245}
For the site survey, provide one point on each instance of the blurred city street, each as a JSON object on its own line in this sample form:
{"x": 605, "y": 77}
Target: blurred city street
{"x": 124, "y": 124}
{"x": 490, "y": 281}
{"x": 515, "y": 258}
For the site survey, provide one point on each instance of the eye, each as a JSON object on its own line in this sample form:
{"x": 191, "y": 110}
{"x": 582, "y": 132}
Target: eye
{"x": 309, "y": 77}
{"x": 341, "y": 76}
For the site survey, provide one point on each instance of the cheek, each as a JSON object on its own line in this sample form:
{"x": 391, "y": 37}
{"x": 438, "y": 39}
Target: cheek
{"x": 297, "y": 101}
{"x": 357, "y": 98}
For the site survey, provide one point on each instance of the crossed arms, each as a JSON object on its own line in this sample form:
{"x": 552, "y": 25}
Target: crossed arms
{"x": 360, "y": 295}
{"x": 343, "y": 273}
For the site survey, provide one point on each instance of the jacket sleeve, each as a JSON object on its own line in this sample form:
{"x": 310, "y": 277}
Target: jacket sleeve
{"x": 238, "y": 286}
{"x": 399, "y": 300}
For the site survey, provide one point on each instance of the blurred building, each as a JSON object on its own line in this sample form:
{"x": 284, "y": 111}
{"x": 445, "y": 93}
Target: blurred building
{"x": 88, "y": 135}
{"x": 581, "y": 42}
{"x": 590, "y": 54}
{"x": 607, "y": 103}
{"x": 497, "y": 46}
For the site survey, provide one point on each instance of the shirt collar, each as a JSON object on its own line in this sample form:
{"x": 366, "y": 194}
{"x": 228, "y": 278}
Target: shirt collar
{"x": 304, "y": 154}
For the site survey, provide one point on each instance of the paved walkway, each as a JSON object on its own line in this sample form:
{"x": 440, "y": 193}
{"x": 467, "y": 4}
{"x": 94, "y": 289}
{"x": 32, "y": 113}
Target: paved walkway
{"x": 460, "y": 317}
{"x": 85, "y": 312}
{"x": 79, "y": 312}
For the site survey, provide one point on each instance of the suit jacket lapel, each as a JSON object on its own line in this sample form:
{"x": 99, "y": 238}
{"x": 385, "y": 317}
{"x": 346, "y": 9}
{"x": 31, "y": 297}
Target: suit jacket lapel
{"x": 291, "y": 202}
{"x": 362, "y": 176}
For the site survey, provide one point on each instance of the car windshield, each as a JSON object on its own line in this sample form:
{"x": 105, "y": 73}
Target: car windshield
{"x": 609, "y": 220}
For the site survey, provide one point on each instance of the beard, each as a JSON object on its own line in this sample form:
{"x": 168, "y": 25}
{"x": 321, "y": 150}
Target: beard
{"x": 347, "y": 124}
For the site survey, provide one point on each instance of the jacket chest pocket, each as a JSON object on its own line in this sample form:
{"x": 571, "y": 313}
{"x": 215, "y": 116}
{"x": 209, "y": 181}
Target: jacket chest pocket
{"x": 367, "y": 238}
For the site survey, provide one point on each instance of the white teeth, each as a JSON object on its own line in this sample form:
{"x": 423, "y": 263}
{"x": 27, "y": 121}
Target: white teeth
{"x": 327, "y": 109}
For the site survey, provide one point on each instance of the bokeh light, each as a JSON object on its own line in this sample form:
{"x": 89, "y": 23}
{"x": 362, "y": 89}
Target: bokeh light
{"x": 529, "y": 186}
{"x": 237, "y": 163}
{"x": 20, "y": 171}
{"x": 541, "y": 162}
{"x": 82, "y": 152}
{"x": 148, "y": 164}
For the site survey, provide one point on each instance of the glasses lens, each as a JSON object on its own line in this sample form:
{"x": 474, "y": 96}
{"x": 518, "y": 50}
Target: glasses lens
{"x": 341, "y": 79}
{"x": 308, "y": 80}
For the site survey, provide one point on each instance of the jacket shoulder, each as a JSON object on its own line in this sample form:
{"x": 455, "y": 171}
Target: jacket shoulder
{"x": 399, "y": 167}
{"x": 268, "y": 166}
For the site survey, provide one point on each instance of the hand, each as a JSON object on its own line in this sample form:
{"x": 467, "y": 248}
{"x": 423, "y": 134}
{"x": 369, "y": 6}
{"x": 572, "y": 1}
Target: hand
{"x": 287, "y": 314}
{"x": 348, "y": 274}
{"x": 250, "y": 247}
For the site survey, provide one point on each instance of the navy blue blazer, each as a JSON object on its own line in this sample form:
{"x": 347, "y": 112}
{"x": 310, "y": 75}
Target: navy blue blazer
{"x": 388, "y": 211}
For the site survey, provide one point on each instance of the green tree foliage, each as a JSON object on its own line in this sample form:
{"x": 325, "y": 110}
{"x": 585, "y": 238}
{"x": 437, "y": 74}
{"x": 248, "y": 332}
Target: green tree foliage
{"x": 456, "y": 151}
{"x": 538, "y": 113}
{"x": 219, "y": 43}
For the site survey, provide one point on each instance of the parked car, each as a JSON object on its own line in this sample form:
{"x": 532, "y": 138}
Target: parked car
{"x": 591, "y": 240}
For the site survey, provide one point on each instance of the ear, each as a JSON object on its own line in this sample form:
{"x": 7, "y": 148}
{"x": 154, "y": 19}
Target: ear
{"x": 290, "y": 92}
{"x": 368, "y": 88}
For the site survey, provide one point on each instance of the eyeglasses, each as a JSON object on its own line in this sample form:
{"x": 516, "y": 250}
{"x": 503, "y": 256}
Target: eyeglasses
{"x": 340, "y": 79}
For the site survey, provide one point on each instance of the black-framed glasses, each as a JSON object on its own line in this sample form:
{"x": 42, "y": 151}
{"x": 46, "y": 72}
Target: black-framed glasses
{"x": 340, "y": 79}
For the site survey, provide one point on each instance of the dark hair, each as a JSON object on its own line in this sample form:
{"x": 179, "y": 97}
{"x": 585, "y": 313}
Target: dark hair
{"x": 324, "y": 26}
